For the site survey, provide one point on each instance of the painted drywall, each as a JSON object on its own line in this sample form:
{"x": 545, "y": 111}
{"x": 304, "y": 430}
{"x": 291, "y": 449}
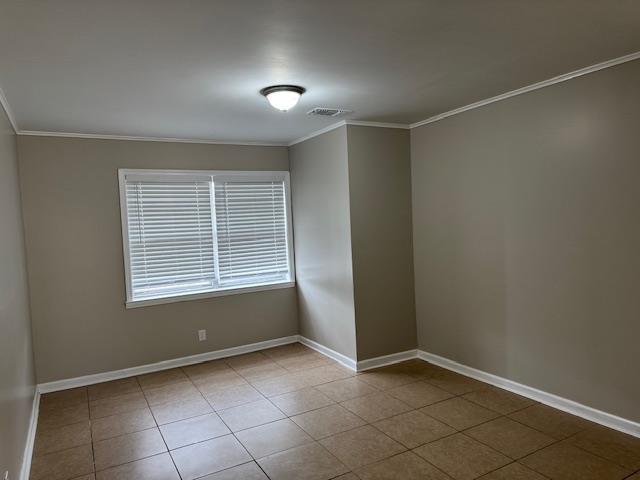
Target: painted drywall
{"x": 526, "y": 232}
{"x": 321, "y": 224}
{"x": 17, "y": 379}
{"x": 381, "y": 240}
{"x": 75, "y": 261}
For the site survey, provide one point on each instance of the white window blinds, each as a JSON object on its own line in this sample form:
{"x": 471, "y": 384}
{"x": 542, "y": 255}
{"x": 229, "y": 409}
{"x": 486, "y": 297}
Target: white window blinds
{"x": 199, "y": 232}
{"x": 251, "y": 228}
{"x": 170, "y": 237}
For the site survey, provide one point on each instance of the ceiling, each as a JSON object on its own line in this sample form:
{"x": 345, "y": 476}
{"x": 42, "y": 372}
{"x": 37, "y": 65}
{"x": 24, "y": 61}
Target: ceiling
{"x": 192, "y": 69}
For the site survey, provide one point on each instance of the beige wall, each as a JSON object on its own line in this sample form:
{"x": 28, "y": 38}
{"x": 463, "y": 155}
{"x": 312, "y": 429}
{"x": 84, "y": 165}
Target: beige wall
{"x": 526, "y": 217}
{"x": 72, "y": 222}
{"x": 16, "y": 357}
{"x": 321, "y": 224}
{"x": 380, "y": 205}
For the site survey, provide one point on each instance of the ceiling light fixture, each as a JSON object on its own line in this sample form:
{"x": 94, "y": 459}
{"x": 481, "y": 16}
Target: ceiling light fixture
{"x": 283, "y": 97}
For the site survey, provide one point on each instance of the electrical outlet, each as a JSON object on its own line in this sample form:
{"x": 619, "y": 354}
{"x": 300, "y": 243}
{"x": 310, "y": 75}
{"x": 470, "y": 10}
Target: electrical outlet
{"x": 6, "y": 475}
{"x": 202, "y": 335}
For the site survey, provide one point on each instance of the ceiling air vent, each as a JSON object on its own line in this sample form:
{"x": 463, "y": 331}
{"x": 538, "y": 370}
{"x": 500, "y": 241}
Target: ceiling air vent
{"x": 327, "y": 111}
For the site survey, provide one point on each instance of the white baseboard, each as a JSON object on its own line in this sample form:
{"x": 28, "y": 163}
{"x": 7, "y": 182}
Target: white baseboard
{"x": 569, "y": 406}
{"x": 386, "y": 360}
{"x": 164, "y": 365}
{"x": 25, "y": 471}
{"x": 332, "y": 354}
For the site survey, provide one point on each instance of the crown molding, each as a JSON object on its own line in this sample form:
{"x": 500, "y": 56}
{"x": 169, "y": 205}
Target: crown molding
{"x": 360, "y": 123}
{"x": 342, "y": 123}
{"x": 530, "y": 88}
{"x": 333, "y": 126}
{"x": 34, "y": 133}
{"x": 7, "y": 109}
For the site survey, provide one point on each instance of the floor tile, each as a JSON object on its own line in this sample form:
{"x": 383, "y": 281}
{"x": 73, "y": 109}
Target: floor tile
{"x": 551, "y": 421}
{"x": 305, "y": 361}
{"x": 615, "y": 446}
{"x": 513, "y": 471}
{"x": 158, "y": 467}
{"x": 419, "y": 394}
{"x": 63, "y": 399}
{"x": 62, "y": 438}
{"x": 325, "y": 374}
{"x": 120, "y": 404}
{"x": 63, "y": 465}
{"x": 233, "y": 396}
{"x": 218, "y": 381}
{"x": 361, "y": 446}
{"x": 418, "y": 368}
{"x": 175, "y": 411}
{"x": 208, "y": 457}
{"x": 247, "y": 471}
{"x": 250, "y": 415}
{"x": 121, "y": 424}
{"x": 327, "y": 421}
{"x": 91, "y": 476}
{"x": 162, "y": 378}
{"x": 462, "y": 457}
{"x": 301, "y": 401}
{"x": 405, "y": 466}
{"x": 284, "y": 351}
{"x": 193, "y": 430}
{"x": 279, "y": 385}
{"x": 346, "y": 389}
{"x": 272, "y": 438}
{"x": 499, "y": 400}
{"x": 459, "y": 413}
{"x": 308, "y": 462}
{"x": 199, "y": 370}
{"x": 510, "y": 437}
{"x": 454, "y": 382}
{"x": 127, "y": 448}
{"x": 376, "y": 406}
{"x": 413, "y": 429}
{"x": 63, "y": 416}
{"x": 247, "y": 360}
{"x": 113, "y": 388}
{"x": 387, "y": 379}
{"x": 263, "y": 372}
{"x": 563, "y": 461}
{"x": 172, "y": 392}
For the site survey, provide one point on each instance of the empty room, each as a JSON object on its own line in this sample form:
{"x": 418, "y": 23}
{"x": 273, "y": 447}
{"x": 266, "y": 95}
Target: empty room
{"x": 320, "y": 239}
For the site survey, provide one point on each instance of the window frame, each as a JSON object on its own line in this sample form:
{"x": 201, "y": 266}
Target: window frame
{"x": 155, "y": 174}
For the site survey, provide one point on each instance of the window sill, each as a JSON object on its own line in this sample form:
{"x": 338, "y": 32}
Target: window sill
{"x": 216, "y": 293}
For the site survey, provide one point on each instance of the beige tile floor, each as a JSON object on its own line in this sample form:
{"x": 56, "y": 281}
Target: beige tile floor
{"x": 289, "y": 413}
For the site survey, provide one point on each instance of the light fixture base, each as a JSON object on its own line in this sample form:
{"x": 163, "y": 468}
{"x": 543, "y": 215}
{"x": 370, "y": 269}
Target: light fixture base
{"x": 282, "y": 88}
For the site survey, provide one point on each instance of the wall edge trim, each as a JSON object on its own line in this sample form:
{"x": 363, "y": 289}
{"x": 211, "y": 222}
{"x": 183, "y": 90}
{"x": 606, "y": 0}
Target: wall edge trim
{"x": 162, "y": 365}
{"x": 327, "y": 352}
{"x": 384, "y": 360}
{"x": 25, "y": 471}
{"x": 589, "y": 413}
{"x": 38, "y": 133}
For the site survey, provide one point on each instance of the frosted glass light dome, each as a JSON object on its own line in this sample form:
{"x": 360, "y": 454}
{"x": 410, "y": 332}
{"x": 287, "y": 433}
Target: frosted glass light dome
{"x": 283, "y": 97}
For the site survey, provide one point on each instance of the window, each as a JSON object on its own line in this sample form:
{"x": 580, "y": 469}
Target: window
{"x": 191, "y": 234}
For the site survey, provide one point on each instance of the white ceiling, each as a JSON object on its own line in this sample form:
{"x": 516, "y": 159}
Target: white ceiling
{"x": 192, "y": 69}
